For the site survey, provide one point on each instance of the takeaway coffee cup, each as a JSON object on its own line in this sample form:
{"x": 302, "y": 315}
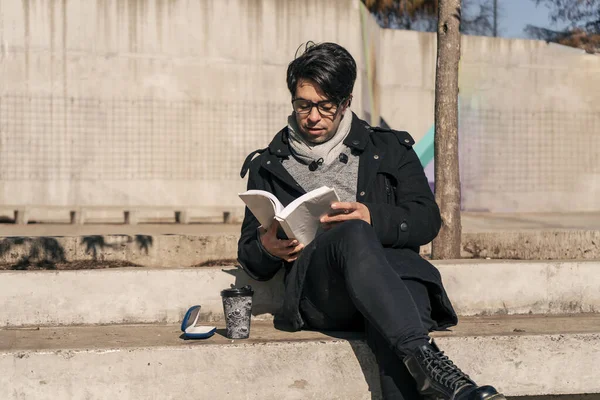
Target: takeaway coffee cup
{"x": 237, "y": 306}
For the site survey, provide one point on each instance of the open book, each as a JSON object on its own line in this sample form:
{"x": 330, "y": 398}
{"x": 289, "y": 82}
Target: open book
{"x": 300, "y": 219}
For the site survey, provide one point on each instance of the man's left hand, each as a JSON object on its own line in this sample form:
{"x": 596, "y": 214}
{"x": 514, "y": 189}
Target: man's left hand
{"x": 345, "y": 211}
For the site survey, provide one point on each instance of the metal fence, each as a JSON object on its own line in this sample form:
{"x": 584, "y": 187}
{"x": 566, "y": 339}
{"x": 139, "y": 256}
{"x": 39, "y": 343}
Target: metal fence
{"x": 527, "y": 151}
{"x": 49, "y": 139}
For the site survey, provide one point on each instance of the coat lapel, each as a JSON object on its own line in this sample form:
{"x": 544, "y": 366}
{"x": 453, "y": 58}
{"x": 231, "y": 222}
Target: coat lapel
{"x": 278, "y": 148}
{"x": 273, "y": 164}
{"x": 370, "y": 158}
{"x": 368, "y": 166}
{"x": 358, "y": 139}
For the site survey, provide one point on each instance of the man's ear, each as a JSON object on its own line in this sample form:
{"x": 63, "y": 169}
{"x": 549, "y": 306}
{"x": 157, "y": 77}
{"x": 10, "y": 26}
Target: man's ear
{"x": 347, "y": 105}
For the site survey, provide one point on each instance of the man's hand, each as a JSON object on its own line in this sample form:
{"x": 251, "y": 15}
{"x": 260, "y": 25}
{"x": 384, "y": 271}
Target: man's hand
{"x": 287, "y": 250}
{"x": 345, "y": 211}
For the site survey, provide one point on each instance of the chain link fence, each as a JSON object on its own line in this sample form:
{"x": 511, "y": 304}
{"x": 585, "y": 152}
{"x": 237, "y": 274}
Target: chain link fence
{"x": 50, "y": 139}
{"x": 527, "y": 151}
{"x": 74, "y": 139}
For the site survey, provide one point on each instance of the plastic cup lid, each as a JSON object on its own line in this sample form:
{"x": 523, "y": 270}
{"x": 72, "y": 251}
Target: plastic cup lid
{"x": 238, "y": 292}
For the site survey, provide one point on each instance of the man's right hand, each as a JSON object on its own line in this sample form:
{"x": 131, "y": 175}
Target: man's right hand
{"x": 287, "y": 250}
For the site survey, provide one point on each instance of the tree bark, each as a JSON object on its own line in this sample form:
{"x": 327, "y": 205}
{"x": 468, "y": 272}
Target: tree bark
{"x": 447, "y": 180}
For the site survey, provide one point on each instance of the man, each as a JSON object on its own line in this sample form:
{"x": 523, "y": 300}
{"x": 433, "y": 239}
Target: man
{"x": 365, "y": 268}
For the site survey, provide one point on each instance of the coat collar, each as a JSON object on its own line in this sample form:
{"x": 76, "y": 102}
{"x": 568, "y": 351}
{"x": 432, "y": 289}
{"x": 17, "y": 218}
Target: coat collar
{"x": 278, "y": 149}
{"x": 279, "y": 146}
{"x": 356, "y": 139}
{"x": 359, "y": 134}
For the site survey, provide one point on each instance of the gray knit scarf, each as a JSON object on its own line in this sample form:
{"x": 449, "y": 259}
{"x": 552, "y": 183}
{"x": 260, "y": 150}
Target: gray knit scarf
{"x": 328, "y": 151}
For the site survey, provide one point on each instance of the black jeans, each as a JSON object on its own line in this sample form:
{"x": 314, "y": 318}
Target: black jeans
{"x": 350, "y": 282}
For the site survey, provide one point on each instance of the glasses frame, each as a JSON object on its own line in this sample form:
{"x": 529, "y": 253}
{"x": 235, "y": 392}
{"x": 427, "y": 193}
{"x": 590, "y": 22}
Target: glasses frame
{"x": 313, "y": 104}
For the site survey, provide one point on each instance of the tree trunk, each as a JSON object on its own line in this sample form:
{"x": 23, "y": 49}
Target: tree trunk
{"x": 495, "y": 18}
{"x": 447, "y": 181}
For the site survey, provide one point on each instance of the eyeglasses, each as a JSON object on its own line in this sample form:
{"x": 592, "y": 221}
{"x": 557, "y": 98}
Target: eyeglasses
{"x": 326, "y": 108}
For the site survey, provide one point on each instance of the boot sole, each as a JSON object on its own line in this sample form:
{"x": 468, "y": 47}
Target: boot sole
{"x": 498, "y": 396}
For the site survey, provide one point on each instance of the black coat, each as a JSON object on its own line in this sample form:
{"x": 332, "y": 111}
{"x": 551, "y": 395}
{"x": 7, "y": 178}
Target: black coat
{"x": 391, "y": 183}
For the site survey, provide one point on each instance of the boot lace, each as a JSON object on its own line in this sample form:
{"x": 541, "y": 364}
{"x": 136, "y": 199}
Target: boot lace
{"x": 445, "y": 372}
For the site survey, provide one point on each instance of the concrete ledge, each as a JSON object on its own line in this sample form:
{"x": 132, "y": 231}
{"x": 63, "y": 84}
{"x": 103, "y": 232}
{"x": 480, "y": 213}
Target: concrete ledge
{"x": 480, "y": 287}
{"x": 143, "y": 295}
{"x": 262, "y": 369}
{"x": 167, "y": 250}
{"x": 533, "y": 245}
{"x": 117, "y": 214}
{"x": 123, "y": 295}
{"x": 140, "y": 250}
{"x": 520, "y": 356}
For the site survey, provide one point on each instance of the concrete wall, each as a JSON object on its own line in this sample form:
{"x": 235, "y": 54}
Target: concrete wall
{"x": 529, "y": 117}
{"x": 530, "y": 126}
{"x": 148, "y": 102}
{"x": 155, "y": 102}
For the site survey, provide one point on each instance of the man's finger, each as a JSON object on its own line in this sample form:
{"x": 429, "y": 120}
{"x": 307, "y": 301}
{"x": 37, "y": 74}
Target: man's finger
{"x": 284, "y": 244}
{"x": 296, "y": 249}
{"x": 292, "y": 254}
{"x": 328, "y": 219}
{"x": 343, "y": 205}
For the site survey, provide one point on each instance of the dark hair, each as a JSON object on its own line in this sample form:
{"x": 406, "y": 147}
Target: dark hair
{"x": 329, "y": 65}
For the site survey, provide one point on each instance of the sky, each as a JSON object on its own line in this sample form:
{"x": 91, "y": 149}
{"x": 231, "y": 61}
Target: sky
{"x": 514, "y": 15}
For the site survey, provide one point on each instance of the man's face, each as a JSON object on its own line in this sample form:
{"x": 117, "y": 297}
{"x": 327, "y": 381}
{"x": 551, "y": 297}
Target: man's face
{"x": 315, "y": 127}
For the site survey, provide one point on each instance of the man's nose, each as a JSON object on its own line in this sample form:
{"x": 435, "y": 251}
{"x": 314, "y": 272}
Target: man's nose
{"x": 314, "y": 115}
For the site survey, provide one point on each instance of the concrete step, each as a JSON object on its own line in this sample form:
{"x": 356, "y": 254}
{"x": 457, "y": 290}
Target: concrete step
{"x": 58, "y": 252}
{"x": 145, "y": 295}
{"x": 521, "y": 355}
{"x": 154, "y": 247}
{"x": 127, "y": 214}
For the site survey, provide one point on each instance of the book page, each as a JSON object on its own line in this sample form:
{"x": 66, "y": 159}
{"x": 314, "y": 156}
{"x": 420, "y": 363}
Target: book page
{"x": 263, "y": 205}
{"x": 300, "y": 219}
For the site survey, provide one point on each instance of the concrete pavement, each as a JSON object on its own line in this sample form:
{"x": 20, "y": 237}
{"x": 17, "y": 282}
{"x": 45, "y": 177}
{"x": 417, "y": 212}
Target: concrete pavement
{"x": 527, "y": 355}
{"x": 472, "y": 222}
{"x": 51, "y": 355}
{"x": 499, "y": 236}
{"x": 54, "y": 341}
{"x": 149, "y": 295}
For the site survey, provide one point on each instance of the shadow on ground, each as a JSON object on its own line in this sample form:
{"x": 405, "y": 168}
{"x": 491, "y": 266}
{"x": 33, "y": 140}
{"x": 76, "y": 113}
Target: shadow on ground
{"x": 95, "y": 244}
{"x": 47, "y": 253}
{"x": 33, "y": 253}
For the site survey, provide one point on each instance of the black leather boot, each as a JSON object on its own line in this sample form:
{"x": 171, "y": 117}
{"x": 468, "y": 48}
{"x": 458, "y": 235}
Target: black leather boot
{"x": 438, "y": 378}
